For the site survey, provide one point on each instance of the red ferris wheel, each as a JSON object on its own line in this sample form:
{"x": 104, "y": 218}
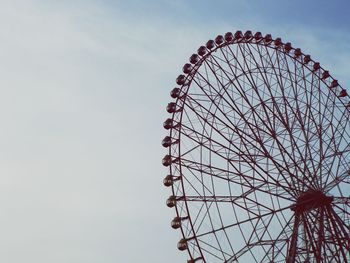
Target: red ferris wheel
{"x": 258, "y": 154}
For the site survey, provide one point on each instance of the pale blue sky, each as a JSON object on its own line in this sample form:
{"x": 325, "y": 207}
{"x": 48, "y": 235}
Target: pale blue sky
{"x": 83, "y": 90}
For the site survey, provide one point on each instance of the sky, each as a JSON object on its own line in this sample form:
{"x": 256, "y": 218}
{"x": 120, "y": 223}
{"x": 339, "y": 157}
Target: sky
{"x": 84, "y": 85}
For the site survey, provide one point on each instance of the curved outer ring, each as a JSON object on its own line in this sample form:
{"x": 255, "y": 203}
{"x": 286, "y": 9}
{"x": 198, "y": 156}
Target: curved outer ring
{"x": 185, "y": 87}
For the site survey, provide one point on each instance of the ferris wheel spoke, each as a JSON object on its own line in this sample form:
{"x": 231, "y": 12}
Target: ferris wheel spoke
{"x": 294, "y": 239}
{"x": 278, "y": 166}
{"x": 337, "y": 153}
{"x": 306, "y": 137}
{"x": 242, "y": 91}
{"x": 337, "y": 234}
{"x": 259, "y": 217}
{"x": 208, "y": 245}
{"x": 319, "y": 232}
{"x": 310, "y": 230}
{"x": 239, "y": 89}
{"x": 296, "y": 148}
{"x": 308, "y": 114}
{"x": 286, "y": 152}
{"x": 332, "y": 162}
{"x": 297, "y": 119}
{"x": 229, "y": 160}
{"x": 199, "y": 180}
{"x": 343, "y": 206}
{"x": 343, "y": 227}
{"x": 253, "y": 85}
{"x": 282, "y": 238}
{"x": 199, "y": 219}
{"x": 333, "y": 242}
{"x": 192, "y": 127}
{"x": 341, "y": 200}
{"x": 310, "y": 118}
{"x": 241, "y": 201}
{"x": 209, "y": 218}
{"x": 232, "y": 177}
{"x": 277, "y": 251}
{"x": 276, "y": 105}
{"x": 331, "y": 146}
{"x": 336, "y": 181}
{"x": 259, "y": 240}
{"x": 263, "y": 187}
{"x": 293, "y": 144}
{"x": 266, "y": 237}
{"x": 316, "y": 225}
{"x": 261, "y": 243}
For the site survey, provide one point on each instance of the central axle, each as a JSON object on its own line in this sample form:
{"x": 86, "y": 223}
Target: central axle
{"x": 311, "y": 199}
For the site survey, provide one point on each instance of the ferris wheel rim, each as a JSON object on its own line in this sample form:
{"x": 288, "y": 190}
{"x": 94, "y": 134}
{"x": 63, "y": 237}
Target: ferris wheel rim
{"x": 186, "y": 84}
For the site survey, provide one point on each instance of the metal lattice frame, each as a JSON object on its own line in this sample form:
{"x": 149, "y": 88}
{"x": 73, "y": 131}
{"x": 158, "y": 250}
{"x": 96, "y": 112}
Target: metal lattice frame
{"x": 259, "y": 155}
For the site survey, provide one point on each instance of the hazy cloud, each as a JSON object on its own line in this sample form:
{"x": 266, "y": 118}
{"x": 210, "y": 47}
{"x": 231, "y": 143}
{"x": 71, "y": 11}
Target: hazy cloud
{"x": 83, "y": 90}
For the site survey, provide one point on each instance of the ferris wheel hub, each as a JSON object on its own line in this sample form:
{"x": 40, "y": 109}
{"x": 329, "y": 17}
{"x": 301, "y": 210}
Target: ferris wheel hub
{"x": 311, "y": 199}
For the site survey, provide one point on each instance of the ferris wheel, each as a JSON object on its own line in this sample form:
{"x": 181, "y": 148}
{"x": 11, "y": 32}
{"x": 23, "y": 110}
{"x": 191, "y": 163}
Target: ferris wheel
{"x": 258, "y": 155}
